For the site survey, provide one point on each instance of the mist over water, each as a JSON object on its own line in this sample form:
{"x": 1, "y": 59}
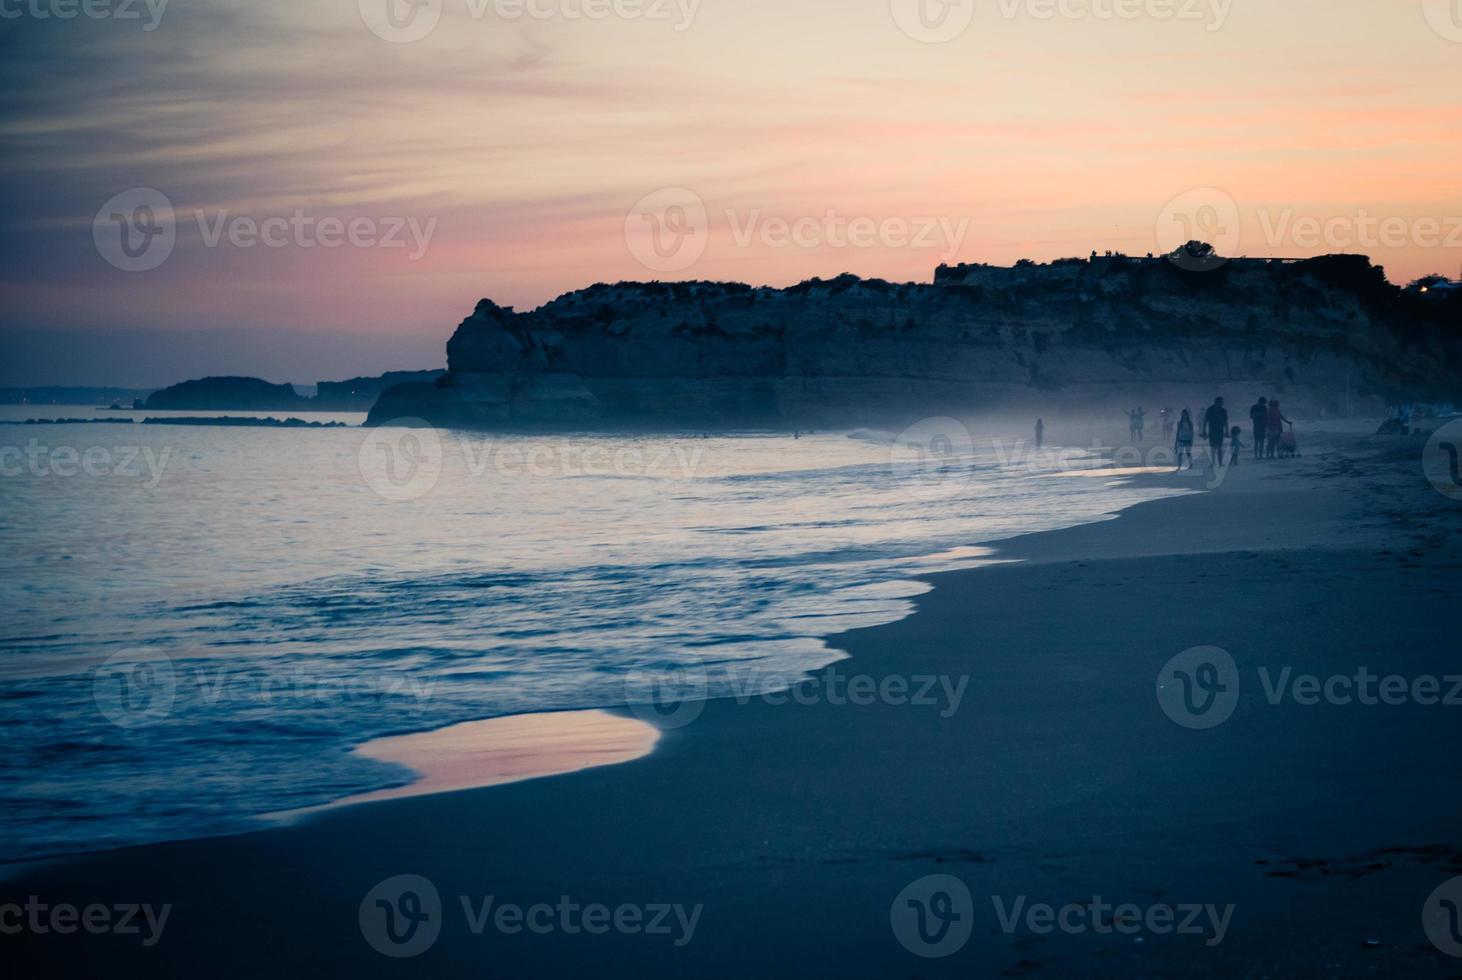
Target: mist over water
{"x": 292, "y": 599}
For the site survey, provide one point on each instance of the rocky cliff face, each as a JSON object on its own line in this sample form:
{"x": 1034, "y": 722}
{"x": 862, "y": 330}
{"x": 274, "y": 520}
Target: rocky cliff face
{"x": 359, "y": 394}
{"x": 852, "y": 351}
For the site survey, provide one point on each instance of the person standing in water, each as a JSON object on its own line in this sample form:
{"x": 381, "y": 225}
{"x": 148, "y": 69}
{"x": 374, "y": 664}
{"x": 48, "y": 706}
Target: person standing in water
{"x": 1040, "y": 433}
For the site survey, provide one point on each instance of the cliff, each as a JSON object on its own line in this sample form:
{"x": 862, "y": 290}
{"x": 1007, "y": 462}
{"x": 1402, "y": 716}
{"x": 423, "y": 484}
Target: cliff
{"x": 1322, "y": 333}
{"x": 359, "y": 394}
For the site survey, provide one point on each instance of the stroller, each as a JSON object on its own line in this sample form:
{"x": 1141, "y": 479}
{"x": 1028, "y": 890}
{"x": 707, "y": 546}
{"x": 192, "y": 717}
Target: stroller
{"x": 1289, "y": 447}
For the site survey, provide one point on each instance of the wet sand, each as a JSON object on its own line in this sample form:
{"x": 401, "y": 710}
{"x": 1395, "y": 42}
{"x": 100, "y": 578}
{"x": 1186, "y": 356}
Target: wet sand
{"x": 1059, "y": 778}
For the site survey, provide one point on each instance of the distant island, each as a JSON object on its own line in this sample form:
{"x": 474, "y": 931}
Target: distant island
{"x": 230, "y": 394}
{"x": 225, "y": 395}
{"x": 1328, "y": 335}
{"x": 73, "y": 395}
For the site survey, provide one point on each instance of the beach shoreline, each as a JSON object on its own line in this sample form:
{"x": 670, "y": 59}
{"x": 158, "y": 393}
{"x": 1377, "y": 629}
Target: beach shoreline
{"x": 1056, "y": 777}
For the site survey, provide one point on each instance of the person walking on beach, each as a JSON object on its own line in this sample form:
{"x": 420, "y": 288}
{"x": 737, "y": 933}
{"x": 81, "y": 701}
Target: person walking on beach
{"x": 1274, "y": 428}
{"x": 1184, "y": 445}
{"x": 1141, "y": 421}
{"x": 1132, "y": 424}
{"x": 1040, "y": 433}
{"x": 1236, "y": 442}
{"x": 1259, "y": 415}
{"x": 1215, "y": 429}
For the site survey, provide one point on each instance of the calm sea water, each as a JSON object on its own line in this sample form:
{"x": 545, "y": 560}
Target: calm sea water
{"x": 201, "y": 622}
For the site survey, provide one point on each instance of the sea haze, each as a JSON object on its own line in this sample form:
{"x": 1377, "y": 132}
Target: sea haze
{"x": 299, "y": 597}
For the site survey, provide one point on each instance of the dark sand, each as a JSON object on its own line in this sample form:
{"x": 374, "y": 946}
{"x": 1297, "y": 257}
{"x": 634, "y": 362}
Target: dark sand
{"x": 1058, "y": 779}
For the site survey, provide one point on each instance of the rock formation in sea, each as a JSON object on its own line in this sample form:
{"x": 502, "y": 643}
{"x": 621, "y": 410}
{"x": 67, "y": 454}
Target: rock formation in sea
{"x": 225, "y": 394}
{"x": 253, "y": 394}
{"x": 1327, "y": 334}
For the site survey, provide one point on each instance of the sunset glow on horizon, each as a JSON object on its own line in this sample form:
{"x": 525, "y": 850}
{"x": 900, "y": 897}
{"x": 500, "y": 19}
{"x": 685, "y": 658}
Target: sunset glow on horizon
{"x": 503, "y": 153}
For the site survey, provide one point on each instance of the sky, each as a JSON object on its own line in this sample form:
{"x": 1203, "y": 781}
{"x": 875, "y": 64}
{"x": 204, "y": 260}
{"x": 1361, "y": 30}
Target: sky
{"x": 313, "y": 189}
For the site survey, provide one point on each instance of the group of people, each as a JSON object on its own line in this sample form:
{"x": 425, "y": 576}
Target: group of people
{"x": 1270, "y": 437}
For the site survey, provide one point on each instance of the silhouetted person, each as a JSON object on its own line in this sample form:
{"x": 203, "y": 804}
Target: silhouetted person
{"x": 1184, "y": 444}
{"x": 1259, "y": 416}
{"x": 1141, "y": 421}
{"x": 1215, "y": 429}
{"x": 1040, "y": 433}
{"x": 1274, "y": 428}
{"x": 1167, "y": 423}
{"x": 1236, "y": 442}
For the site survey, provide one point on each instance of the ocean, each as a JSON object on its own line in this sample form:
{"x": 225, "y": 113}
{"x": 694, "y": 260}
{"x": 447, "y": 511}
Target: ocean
{"x": 201, "y": 622}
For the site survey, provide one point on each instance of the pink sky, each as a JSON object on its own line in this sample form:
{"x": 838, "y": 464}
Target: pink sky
{"x": 524, "y": 144}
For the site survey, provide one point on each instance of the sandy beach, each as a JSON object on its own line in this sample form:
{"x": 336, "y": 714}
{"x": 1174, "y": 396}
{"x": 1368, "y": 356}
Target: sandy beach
{"x": 788, "y": 836}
